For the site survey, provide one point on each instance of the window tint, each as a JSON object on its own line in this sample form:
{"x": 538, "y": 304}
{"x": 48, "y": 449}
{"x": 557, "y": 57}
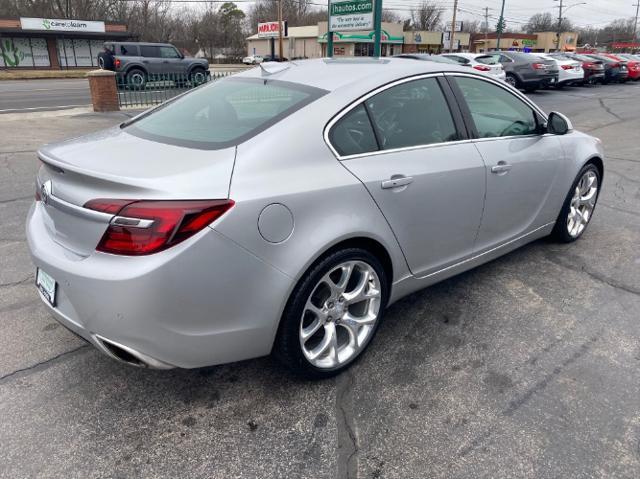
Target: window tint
{"x": 411, "y": 114}
{"x": 149, "y": 51}
{"x": 460, "y": 60}
{"x": 353, "y": 133}
{"x": 223, "y": 113}
{"x": 495, "y": 111}
{"x": 487, "y": 60}
{"x": 128, "y": 50}
{"x": 168, "y": 52}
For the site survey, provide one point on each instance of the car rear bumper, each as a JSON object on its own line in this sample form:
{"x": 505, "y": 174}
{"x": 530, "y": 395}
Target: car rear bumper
{"x": 205, "y": 301}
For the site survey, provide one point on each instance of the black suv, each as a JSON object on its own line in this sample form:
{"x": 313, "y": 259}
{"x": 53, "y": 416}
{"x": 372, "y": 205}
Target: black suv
{"x": 136, "y": 63}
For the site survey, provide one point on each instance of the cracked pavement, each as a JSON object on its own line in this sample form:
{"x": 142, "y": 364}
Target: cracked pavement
{"x": 528, "y": 366}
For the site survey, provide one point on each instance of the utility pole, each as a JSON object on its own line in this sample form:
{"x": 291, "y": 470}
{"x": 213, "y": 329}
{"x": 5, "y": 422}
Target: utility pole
{"x": 559, "y": 32}
{"x": 500, "y": 25}
{"x": 486, "y": 29}
{"x": 280, "y": 27}
{"x": 635, "y": 24}
{"x": 452, "y": 37}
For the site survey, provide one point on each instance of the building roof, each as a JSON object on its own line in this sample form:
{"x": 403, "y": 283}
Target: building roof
{"x": 331, "y": 74}
{"x": 309, "y": 31}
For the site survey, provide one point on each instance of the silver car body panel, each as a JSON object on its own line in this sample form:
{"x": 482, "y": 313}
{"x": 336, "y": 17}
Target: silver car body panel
{"x": 219, "y": 295}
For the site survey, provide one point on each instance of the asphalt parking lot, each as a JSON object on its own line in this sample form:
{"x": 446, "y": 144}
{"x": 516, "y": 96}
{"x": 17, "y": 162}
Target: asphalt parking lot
{"x": 528, "y": 366}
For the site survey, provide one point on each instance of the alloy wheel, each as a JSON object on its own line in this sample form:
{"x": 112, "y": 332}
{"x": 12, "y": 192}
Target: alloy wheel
{"x": 137, "y": 80}
{"x": 511, "y": 80}
{"x": 582, "y": 203}
{"x": 340, "y": 315}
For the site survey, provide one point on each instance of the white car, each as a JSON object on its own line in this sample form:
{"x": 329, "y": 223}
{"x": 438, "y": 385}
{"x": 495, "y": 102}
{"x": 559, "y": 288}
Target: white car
{"x": 252, "y": 60}
{"x": 479, "y": 61}
{"x": 569, "y": 71}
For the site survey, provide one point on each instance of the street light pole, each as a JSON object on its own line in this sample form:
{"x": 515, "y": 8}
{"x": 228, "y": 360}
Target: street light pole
{"x": 452, "y": 37}
{"x": 486, "y": 29}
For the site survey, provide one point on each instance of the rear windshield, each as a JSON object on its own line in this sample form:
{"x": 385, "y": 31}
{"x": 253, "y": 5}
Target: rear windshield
{"x": 488, "y": 60}
{"x": 224, "y": 113}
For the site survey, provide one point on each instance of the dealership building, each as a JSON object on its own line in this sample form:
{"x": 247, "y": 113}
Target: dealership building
{"x": 311, "y": 42}
{"x": 54, "y": 43}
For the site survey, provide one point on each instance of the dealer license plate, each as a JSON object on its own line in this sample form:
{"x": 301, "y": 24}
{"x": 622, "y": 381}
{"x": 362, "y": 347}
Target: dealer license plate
{"x": 47, "y": 286}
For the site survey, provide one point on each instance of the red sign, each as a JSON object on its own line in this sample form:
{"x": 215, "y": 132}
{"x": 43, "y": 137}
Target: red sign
{"x": 270, "y": 29}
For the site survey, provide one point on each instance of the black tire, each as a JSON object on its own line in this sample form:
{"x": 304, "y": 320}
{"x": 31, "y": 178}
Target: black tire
{"x": 287, "y": 348}
{"x": 105, "y": 61}
{"x": 136, "y": 79}
{"x": 512, "y": 80}
{"x": 198, "y": 76}
{"x": 560, "y": 231}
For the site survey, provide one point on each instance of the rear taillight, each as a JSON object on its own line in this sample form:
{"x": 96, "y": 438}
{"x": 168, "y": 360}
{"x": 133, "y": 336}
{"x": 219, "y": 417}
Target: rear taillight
{"x": 146, "y": 227}
{"x": 538, "y": 66}
{"x": 615, "y": 65}
{"x": 482, "y": 68}
{"x": 588, "y": 65}
{"x": 117, "y": 63}
{"x": 567, "y": 67}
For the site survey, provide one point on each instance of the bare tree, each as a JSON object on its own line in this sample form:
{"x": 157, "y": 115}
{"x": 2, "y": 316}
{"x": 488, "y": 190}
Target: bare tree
{"x": 541, "y": 22}
{"x": 471, "y": 27}
{"x": 428, "y": 16}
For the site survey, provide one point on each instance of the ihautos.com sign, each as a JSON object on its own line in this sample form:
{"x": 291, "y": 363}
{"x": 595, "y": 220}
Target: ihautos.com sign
{"x": 350, "y": 15}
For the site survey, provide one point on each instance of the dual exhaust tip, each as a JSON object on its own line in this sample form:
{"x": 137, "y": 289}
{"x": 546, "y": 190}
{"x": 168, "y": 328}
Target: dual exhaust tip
{"x": 127, "y": 355}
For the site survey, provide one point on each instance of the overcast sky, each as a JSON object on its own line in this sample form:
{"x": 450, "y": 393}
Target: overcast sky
{"x": 595, "y": 13}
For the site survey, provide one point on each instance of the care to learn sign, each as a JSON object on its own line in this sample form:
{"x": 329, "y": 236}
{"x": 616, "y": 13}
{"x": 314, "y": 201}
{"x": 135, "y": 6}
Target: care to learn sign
{"x": 61, "y": 25}
{"x": 350, "y": 15}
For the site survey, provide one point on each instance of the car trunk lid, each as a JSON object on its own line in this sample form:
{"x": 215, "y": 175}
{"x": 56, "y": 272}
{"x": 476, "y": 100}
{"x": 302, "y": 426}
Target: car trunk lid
{"x": 116, "y": 165}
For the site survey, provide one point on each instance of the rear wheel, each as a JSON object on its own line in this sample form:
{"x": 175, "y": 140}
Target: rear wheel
{"x": 198, "y": 76}
{"x": 332, "y": 314}
{"x": 579, "y": 205}
{"x": 136, "y": 79}
{"x": 511, "y": 80}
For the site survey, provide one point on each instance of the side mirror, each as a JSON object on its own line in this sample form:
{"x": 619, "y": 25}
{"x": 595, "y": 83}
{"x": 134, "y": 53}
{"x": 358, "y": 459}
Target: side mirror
{"x": 558, "y": 124}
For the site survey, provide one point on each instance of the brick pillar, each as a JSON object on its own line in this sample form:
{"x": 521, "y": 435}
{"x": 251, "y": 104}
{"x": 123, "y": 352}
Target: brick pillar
{"x": 104, "y": 91}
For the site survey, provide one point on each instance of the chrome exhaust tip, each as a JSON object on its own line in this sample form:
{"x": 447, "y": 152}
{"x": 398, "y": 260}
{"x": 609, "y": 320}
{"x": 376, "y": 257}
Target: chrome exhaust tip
{"x": 127, "y": 355}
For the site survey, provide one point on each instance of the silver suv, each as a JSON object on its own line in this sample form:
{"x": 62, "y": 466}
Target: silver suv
{"x": 136, "y": 63}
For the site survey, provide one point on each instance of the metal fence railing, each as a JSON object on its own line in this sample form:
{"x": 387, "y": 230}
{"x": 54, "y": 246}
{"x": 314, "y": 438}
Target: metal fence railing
{"x": 141, "y": 90}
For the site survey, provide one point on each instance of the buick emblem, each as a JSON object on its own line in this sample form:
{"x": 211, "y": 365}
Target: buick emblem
{"x": 45, "y": 191}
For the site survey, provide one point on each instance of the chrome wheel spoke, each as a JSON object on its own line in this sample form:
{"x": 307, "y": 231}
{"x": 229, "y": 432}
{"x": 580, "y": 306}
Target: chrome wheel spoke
{"x": 310, "y": 330}
{"x": 327, "y": 342}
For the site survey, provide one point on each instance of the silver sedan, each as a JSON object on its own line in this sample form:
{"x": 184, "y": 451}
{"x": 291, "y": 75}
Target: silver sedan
{"x": 284, "y": 208}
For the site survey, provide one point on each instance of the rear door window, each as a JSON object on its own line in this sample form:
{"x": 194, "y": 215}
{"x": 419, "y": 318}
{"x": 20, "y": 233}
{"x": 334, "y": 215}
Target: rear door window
{"x": 150, "y": 51}
{"x": 127, "y": 50}
{"x": 412, "y": 114}
{"x": 353, "y": 133}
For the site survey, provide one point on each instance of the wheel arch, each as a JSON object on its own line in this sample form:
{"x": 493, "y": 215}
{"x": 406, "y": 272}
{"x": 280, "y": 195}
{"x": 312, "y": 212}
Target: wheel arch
{"x": 597, "y": 161}
{"x": 135, "y": 66}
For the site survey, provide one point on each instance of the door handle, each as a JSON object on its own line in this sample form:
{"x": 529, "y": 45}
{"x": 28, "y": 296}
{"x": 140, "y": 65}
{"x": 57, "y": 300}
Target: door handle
{"x": 501, "y": 167}
{"x": 396, "y": 181}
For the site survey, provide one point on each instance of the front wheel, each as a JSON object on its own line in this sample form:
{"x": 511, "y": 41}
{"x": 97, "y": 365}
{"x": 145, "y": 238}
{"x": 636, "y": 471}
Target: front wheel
{"x": 578, "y": 206}
{"x": 136, "y": 79}
{"x": 198, "y": 76}
{"x": 332, "y": 314}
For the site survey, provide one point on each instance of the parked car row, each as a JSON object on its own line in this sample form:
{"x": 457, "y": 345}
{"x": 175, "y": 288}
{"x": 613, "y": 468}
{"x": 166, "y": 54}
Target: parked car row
{"x": 532, "y": 71}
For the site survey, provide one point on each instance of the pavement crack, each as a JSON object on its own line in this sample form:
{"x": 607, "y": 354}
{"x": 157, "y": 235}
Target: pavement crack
{"x": 39, "y": 366}
{"x": 16, "y": 151}
{"x": 601, "y": 278}
{"x": 608, "y": 110}
{"x": 622, "y": 210}
{"x": 621, "y": 159}
{"x": 347, "y": 436}
{"x": 16, "y": 283}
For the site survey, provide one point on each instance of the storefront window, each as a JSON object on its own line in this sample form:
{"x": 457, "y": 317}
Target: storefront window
{"x": 83, "y": 53}
{"x": 23, "y": 52}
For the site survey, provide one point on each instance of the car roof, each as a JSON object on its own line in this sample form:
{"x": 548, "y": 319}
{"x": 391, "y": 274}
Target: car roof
{"x": 331, "y": 74}
{"x": 142, "y": 44}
